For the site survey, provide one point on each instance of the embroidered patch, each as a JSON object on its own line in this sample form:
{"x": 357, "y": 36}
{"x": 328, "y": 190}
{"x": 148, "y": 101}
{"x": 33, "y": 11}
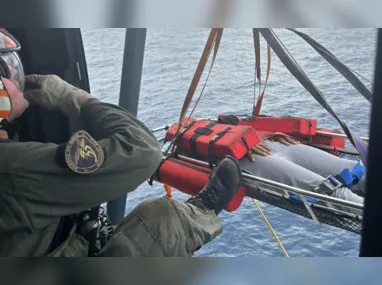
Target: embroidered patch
{"x": 83, "y": 154}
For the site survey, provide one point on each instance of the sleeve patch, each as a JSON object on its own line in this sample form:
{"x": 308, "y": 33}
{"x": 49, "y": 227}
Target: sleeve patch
{"x": 82, "y": 154}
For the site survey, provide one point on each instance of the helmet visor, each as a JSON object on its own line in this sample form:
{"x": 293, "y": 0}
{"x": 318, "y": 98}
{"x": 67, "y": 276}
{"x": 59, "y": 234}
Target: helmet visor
{"x": 14, "y": 69}
{"x": 8, "y": 42}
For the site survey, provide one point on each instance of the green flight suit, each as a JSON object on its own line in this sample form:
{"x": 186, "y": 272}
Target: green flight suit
{"x": 37, "y": 190}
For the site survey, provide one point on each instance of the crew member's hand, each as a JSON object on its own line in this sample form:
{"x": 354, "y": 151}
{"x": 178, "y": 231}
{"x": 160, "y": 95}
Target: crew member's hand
{"x": 53, "y": 93}
{"x": 284, "y": 140}
{"x": 18, "y": 102}
{"x": 261, "y": 149}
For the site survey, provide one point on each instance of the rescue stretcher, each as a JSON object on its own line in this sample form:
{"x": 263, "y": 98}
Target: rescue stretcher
{"x": 321, "y": 208}
{"x": 189, "y": 175}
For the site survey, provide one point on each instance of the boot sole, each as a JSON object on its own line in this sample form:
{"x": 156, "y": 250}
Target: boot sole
{"x": 239, "y": 168}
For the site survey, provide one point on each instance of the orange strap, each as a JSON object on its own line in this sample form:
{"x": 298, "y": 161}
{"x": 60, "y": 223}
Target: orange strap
{"x": 216, "y": 48}
{"x": 256, "y": 42}
{"x": 213, "y": 40}
{"x": 168, "y": 190}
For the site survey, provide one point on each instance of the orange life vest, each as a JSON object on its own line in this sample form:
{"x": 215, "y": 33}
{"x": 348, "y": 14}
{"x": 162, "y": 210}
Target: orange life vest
{"x": 210, "y": 140}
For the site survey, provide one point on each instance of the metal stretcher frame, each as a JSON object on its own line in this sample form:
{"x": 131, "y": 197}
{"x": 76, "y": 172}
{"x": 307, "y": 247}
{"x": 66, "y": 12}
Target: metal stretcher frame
{"x": 258, "y": 186}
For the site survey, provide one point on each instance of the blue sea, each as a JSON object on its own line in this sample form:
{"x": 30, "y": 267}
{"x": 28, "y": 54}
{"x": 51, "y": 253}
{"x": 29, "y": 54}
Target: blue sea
{"x": 171, "y": 57}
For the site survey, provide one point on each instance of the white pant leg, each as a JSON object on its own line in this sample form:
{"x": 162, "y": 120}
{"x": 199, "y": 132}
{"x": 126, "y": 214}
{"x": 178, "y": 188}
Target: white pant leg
{"x": 278, "y": 168}
{"x": 321, "y": 162}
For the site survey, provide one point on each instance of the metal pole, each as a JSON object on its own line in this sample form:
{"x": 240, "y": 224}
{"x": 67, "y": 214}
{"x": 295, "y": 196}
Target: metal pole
{"x": 335, "y": 135}
{"x": 371, "y": 242}
{"x": 135, "y": 41}
{"x": 333, "y": 148}
{"x": 292, "y": 189}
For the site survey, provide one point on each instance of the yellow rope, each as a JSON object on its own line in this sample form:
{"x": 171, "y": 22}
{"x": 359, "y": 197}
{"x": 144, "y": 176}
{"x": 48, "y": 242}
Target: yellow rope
{"x": 168, "y": 190}
{"x": 270, "y": 228}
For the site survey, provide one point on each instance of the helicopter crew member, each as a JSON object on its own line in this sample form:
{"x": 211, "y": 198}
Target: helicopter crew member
{"x": 44, "y": 186}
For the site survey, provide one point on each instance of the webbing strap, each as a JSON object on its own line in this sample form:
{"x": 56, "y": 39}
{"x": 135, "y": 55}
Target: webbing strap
{"x": 211, "y": 155}
{"x": 212, "y": 41}
{"x": 184, "y": 130}
{"x": 337, "y": 64}
{"x": 256, "y": 44}
{"x": 351, "y": 177}
{"x": 346, "y": 178}
{"x": 300, "y": 75}
{"x": 257, "y": 107}
{"x": 245, "y": 143}
{"x": 358, "y": 171}
{"x": 195, "y": 136}
{"x": 328, "y": 186}
{"x": 216, "y": 48}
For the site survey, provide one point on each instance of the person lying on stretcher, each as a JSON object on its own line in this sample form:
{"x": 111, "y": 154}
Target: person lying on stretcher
{"x": 283, "y": 159}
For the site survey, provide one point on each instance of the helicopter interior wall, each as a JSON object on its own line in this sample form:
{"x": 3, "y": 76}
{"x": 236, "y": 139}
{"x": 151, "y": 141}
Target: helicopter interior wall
{"x": 50, "y": 51}
{"x": 44, "y": 51}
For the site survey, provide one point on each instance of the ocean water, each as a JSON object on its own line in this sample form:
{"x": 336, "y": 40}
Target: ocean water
{"x": 171, "y": 57}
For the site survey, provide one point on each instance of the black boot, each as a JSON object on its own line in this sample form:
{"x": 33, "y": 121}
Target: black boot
{"x": 221, "y": 188}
